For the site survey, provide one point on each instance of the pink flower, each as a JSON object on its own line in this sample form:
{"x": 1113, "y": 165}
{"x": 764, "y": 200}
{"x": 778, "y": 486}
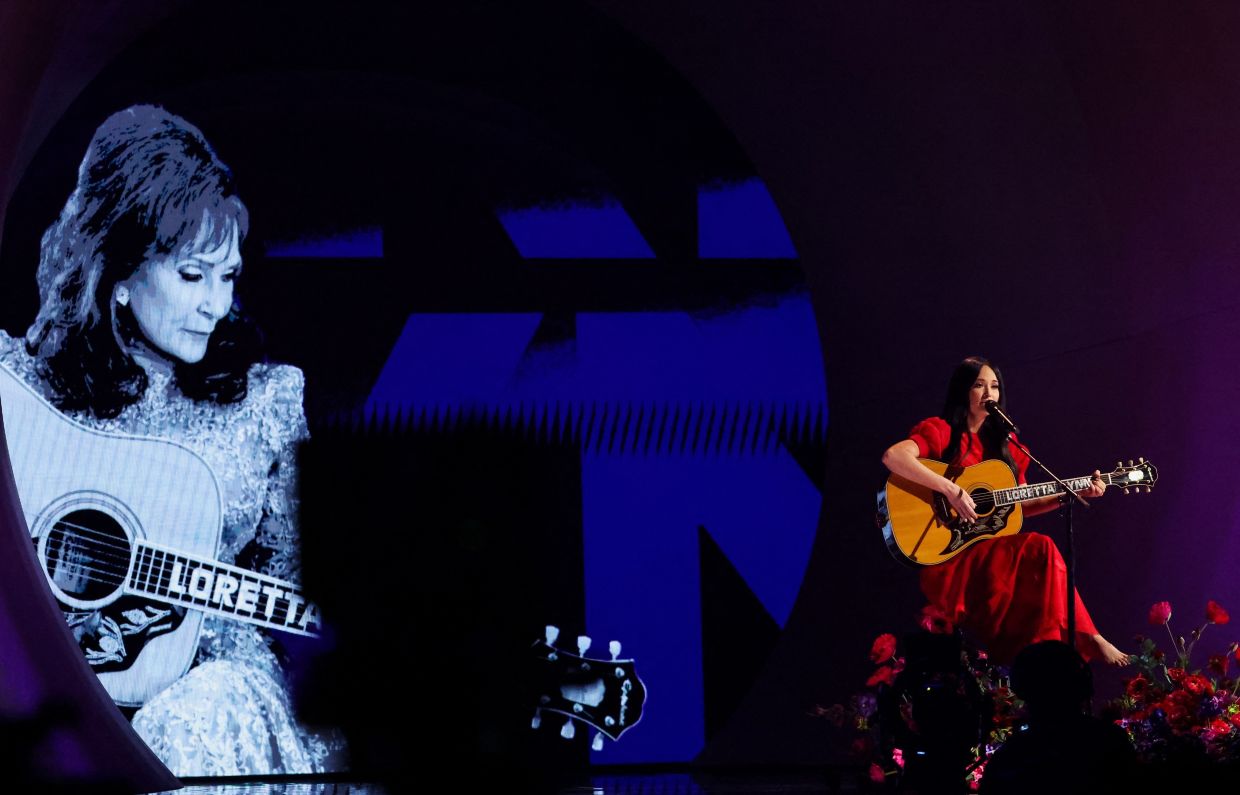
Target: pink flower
{"x": 884, "y": 648}
{"x": 897, "y": 756}
{"x": 1215, "y": 613}
{"x": 876, "y": 773}
{"x": 975, "y": 778}
{"x": 1160, "y": 613}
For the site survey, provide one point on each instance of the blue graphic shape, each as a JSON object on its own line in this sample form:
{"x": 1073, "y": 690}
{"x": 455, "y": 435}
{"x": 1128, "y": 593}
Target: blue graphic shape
{"x": 643, "y": 580}
{"x": 356, "y": 244}
{"x": 453, "y": 359}
{"x": 575, "y": 230}
{"x": 739, "y": 220}
{"x": 760, "y": 353}
{"x": 642, "y": 510}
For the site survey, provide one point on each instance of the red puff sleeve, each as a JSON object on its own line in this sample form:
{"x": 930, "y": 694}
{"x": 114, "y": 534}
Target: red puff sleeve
{"x": 932, "y": 436}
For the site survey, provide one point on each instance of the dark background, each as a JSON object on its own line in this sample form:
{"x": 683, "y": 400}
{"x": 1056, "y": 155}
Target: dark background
{"x": 1053, "y": 186}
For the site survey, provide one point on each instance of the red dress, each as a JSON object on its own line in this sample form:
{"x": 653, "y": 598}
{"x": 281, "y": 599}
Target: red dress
{"x": 1010, "y": 591}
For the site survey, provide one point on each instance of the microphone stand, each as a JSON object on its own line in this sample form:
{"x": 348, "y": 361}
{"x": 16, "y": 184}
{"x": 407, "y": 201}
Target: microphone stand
{"x": 1069, "y": 552}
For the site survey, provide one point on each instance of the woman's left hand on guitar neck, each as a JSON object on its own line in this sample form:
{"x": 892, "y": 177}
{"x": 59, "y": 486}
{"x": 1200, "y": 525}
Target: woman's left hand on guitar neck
{"x": 1095, "y": 489}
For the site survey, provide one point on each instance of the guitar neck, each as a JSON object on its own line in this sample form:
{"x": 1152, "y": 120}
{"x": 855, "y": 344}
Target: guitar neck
{"x": 1038, "y": 490}
{"x": 175, "y": 578}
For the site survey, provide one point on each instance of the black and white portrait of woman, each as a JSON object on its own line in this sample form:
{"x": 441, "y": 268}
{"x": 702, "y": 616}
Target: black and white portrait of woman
{"x": 138, "y": 335}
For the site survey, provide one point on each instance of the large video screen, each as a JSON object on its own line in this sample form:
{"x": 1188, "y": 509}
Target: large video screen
{"x": 336, "y": 370}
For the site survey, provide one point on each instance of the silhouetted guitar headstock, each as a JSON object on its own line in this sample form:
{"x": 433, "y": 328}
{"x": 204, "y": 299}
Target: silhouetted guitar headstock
{"x": 1141, "y": 475}
{"x": 604, "y": 694}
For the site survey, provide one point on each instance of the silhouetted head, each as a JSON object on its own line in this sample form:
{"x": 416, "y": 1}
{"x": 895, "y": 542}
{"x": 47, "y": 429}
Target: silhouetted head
{"x": 1052, "y": 679}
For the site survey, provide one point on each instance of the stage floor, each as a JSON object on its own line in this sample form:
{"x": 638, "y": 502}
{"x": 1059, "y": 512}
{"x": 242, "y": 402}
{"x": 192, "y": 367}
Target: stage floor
{"x": 784, "y": 783}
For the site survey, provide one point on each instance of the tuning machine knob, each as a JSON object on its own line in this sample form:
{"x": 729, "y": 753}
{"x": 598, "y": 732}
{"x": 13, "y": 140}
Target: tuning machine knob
{"x": 568, "y": 731}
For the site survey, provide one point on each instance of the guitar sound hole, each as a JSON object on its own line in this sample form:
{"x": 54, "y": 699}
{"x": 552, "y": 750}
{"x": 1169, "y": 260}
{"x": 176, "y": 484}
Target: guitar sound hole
{"x": 87, "y": 554}
{"x": 983, "y": 500}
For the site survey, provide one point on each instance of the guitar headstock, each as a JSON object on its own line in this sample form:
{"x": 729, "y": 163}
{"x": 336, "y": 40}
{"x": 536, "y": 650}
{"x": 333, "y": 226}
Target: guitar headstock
{"x": 606, "y": 695}
{"x": 1139, "y": 475}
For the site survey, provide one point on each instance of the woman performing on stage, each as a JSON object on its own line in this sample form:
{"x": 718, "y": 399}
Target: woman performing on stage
{"x": 1009, "y": 591}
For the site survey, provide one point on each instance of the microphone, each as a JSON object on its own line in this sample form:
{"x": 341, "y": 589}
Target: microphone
{"x": 992, "y": 408}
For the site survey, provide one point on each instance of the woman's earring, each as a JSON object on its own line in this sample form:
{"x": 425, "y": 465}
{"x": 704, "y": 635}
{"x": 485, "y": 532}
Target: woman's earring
{"x": 122, "y": 296}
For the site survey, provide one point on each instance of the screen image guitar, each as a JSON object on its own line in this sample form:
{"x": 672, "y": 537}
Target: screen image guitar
{"x": 115, "y": 516}
{"x": 605, "y": 695}
{"x": 921, "y": 528}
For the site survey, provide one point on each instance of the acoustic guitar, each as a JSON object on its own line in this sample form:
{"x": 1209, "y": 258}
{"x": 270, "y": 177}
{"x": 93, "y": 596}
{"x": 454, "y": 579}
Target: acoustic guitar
{"x": 921, "y": 528}
{"x": 116, "y": 516}
{"x": 605, "y": 695}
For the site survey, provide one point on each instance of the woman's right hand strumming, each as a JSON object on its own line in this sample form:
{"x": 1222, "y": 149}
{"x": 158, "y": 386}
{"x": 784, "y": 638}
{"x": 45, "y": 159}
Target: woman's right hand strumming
{"x": 961, "y": 501}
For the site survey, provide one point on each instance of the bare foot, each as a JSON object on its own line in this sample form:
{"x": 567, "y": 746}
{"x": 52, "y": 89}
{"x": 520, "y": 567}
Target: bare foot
{"x": 1107, "y": 651}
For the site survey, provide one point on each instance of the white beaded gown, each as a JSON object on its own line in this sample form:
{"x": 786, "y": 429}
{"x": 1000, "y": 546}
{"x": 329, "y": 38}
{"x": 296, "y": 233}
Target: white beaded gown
{"x": 231, "y": 713}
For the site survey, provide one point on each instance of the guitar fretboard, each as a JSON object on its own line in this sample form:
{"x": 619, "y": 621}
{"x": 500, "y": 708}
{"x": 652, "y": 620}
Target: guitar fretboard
{"x": 213, "y": 587}
{"x": 1033, "y": 492}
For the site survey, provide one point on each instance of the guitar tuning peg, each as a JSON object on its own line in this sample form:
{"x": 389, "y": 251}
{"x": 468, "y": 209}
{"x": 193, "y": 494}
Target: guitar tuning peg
{"x": 537, "y": 720}
{"x": 1141, "y": 460}
{"x": 1130, "y": 462}
{"x": 1148, "y": 489}
{"x": 552, "y": 634}
{"x": 1119, "y": 464}
{"x": 568, "y": 730}
{"x": 597, "y": 743}
{"x": 583, "y": 644}
{"x": 1125, "y": 491}
{"x": 614, "y": 648}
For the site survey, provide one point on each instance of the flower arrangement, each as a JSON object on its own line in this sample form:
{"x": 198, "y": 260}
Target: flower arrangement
{"x": 888, "y": 739}
{"x": 1173, "y": 712}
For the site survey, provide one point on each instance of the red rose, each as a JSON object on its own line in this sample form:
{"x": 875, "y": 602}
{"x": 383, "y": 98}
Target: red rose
{"x": 884, "y": 648}
{"x": 885, "y": 675}
{"x": 1215, "y": 613}
{"x": 1218, "y": 664}
{"x": 1138, "y": 687}
{"x": 1160, "y": 613}
{"x": 1175, "y": 674}
{"x": 876, "y": 774}
{"x": 1220, "y": 726}
{"x": 1198, "y": 684}
{"x": 935, "y": 620}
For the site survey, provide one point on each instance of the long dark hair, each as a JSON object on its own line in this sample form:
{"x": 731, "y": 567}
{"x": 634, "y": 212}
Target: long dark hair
{"x": 148, "y": 185}
{"x": 956, "y": 412}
